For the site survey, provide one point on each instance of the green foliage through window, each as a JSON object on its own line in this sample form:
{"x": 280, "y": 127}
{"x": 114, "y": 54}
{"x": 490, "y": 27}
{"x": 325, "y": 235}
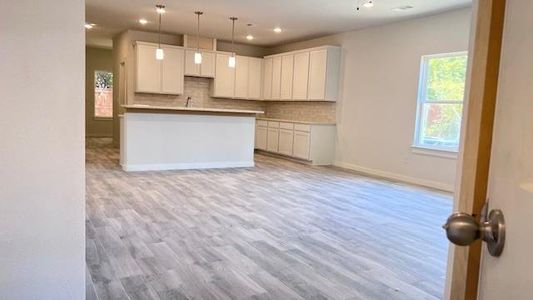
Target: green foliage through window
{"x": 441, "y": 96}
{"x": 446, "y": 78}
{"x": 103, "y": 80}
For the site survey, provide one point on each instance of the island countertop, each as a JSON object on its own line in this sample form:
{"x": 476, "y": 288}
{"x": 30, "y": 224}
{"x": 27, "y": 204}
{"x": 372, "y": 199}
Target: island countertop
{"x": 192, "y": 110}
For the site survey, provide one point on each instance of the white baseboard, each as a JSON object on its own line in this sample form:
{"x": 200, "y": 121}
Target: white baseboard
{"x": 187, "y": 166}
{"x": 395, "y": 176}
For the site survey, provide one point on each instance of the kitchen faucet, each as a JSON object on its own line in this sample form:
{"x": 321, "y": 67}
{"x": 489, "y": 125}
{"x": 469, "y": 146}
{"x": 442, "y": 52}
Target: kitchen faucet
{"x": 188, "y": 101}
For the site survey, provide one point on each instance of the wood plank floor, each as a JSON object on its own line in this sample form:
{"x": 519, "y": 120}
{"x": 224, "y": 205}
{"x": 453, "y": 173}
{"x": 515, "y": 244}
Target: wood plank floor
{"x": 281, "y": 230}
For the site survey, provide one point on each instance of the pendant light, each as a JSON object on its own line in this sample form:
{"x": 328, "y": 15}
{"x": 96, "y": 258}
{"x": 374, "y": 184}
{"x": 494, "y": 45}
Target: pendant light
{"x": 231, "y": 61}
{"x": 198, "y": 54}
{"x": 159, "y": 54}
{"x": 249, "y": 36}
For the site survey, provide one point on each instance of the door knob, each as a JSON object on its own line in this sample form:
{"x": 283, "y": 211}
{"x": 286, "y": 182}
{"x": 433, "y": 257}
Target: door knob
{"x": 463, "y": 229}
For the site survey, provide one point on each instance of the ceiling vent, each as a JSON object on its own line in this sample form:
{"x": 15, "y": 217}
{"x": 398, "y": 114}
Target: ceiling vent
{"x": 403, "y": 8}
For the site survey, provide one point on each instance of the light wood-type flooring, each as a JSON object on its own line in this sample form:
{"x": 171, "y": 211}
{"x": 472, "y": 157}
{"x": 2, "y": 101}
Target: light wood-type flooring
{"x": 281, "y": 230}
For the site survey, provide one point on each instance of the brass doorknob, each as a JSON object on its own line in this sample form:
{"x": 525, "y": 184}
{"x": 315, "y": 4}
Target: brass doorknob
{"x": 463, "y": 229}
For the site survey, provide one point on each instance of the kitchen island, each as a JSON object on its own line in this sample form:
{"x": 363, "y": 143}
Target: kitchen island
{"x": 177, "y": 138}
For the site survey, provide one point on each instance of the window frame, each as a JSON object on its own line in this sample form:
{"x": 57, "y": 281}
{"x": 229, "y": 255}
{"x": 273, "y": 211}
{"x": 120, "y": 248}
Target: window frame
{"x": 95, "y": 117}
{"x": 421, "y": 100}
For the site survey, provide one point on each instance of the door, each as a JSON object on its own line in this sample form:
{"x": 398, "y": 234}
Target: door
{"x": 207, "y": 68}
{"x": 191, "y": 68}
{"x": 317, "y": 75}
{"x": 272, "y": 139}
{"x": 287, "y": 68}
{"x": 260, "y": 137}
{"x": 254, "y": 77}
{"x": 286, "y": 138}
{"x": 267, "y": 78}
{"x": 172, "y": 78}
{"x": 276, "y": 77}
{"x": 224, "y": 85}
{"x": 302, "y": 142}
{"x": 510, "y": 184}
{"x": 241, "y": 77}
{"x": 301, "y": 75}
{"x": 148, "y": 70}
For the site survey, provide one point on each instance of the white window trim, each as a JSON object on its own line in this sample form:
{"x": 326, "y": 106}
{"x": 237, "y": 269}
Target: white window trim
{"x": 450, "y": 153}
{"x": 447, "y": 152}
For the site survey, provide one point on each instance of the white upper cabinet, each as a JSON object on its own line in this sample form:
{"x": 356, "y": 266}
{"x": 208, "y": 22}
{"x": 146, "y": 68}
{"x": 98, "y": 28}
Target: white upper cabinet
{"x": 159, "y": 76}
{"x": 276, "y": 78}
{"x": 241, "y": 77}
{"x": 224, "y": 83}
{"x": 242, "y": 82}
{"x": 287, "y": 68}
{"x": 255, "y": 72}
{"x": 205, "y": 69}
{"x": 324, "y": 67}
{"x": 311, "y": 74}
{"x": 301, "y": 76}
{"x": 191, "y": 69}
{"x": 148, "y": 69}
{"x": 317, "y": 75}
{"x": 172, "y": 71}
{"x": 267, "y": 78}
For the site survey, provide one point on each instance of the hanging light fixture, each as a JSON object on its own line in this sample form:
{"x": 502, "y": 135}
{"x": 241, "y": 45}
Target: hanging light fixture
{"x": 249, "y": 36}
{"x": 159, "y": 54}
{"x": 231, "y": 61}
{"x": 198, "y": 54}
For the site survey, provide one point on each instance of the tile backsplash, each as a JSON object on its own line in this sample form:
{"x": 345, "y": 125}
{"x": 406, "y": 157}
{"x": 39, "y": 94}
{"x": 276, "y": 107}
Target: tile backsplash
{"x": 302, "y": 111}
{"x": 198, "y": 90}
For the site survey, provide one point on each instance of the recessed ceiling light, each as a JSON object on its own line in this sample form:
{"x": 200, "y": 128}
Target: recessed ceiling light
{"x": 402, "y": 8}
{"x": 277, "y": 30}
{"x": 89, "y": 25}
{"x": 249, "y": 37}
{"x": 369, "y": 4}
{"x": 143, "y": 21}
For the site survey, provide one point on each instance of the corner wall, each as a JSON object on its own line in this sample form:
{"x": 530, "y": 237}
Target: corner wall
{"x": 378, "y": 95}
{"x": 42, "y": 150}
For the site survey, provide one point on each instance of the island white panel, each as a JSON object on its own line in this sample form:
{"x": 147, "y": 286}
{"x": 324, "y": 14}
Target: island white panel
{"x": 157, "y": 141}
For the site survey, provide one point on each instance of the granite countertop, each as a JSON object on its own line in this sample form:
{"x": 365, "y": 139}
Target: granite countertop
{"x": 147, "y": 108}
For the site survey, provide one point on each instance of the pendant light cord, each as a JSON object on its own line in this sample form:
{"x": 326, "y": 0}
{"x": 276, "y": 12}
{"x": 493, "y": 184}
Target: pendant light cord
{"x": 160, "y": 30}
{"x": 233, "y": 19}
{"x": 198, "y": 33}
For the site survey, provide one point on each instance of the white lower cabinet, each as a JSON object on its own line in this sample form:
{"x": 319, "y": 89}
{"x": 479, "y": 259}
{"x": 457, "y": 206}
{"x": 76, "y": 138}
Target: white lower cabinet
{"x": 302, "y": 141}
{"x": 260, "y": 137}
{"x": 273, "y": 139}
{"x": 286, "y": 138}
{"x": 306, "y": 141}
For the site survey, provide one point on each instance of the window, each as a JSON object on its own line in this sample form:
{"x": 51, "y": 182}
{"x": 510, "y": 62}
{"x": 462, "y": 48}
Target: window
{"x": 103, "y": 94}
{"x": 440, "y": 101}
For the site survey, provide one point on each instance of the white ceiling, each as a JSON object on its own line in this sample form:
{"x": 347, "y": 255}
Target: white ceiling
{"x": 299, "y": 19}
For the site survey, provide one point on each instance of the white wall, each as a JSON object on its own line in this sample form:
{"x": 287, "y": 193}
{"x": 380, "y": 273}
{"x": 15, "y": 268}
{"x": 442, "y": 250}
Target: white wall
{"x": 42, "y": 235}
{"x": 377, "y": 109}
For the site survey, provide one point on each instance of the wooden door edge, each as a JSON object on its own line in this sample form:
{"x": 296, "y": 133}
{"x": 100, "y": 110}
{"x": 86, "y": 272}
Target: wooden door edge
{"x": 473, "y": 168}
